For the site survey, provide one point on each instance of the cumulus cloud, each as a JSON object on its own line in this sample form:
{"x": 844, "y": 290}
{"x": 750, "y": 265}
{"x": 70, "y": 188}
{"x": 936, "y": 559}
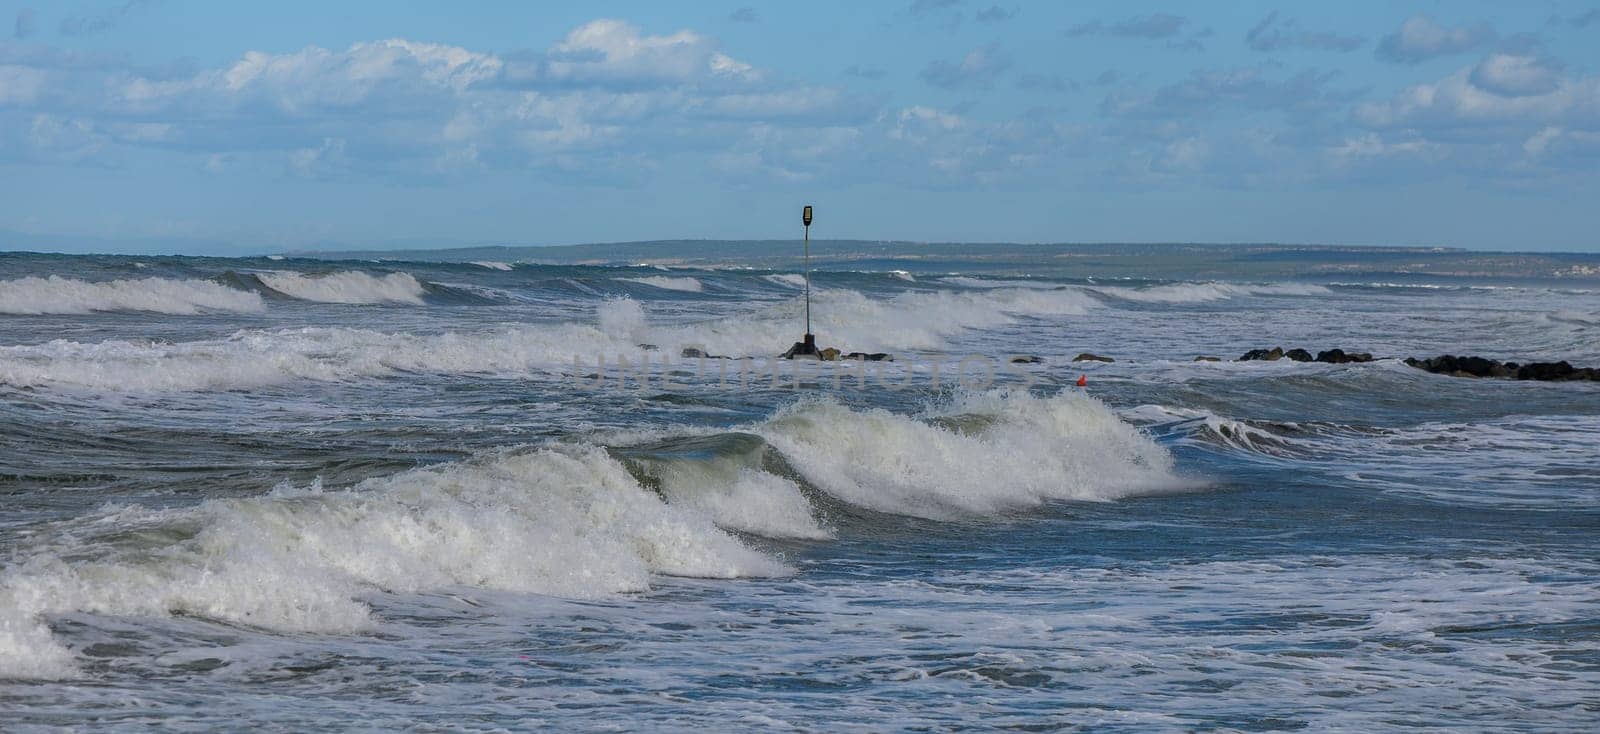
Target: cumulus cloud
{"x": 978, "y": 69}
{"x": 607, "y": 103}
{"x": 1277, "y": 34}
{"x": 1501, "y": 91}
{"x": 1515, "y": 76}
{"x": 1420, "y": 39}
{"x": 1158, "y": 26}
{"x": 24, "y": 25}
{"x": 615, "y": 54}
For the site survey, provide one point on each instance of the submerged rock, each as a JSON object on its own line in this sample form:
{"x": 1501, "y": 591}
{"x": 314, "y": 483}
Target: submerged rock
{"x": 1203, "y": 358}
{"x": 1025, "y": 359}
{"x": 1091, "y": 357}
{"x": 873, "y": 357}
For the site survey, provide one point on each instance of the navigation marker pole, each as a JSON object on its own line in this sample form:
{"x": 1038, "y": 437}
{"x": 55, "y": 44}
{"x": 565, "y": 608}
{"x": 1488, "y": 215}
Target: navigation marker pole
{"x": 810, "y": 340}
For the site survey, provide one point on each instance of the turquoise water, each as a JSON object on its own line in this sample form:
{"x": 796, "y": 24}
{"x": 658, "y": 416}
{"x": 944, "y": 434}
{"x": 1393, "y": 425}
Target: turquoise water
{"x": 302, "y": 494}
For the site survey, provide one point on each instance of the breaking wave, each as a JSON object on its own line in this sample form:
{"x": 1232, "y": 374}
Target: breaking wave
{"x": 566, "y": 522}
{"x": 255, "y": 357}
{"x": 982, "y": 454}
{"x": 492, "y": 264}
{"x": 350, "y": 286}
{"x": 58, "y": 295}
{"x": 685, "y": 284}
{"x": 574, "y": 521}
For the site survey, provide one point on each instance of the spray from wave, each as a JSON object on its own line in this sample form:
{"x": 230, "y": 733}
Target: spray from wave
{"x": 58, "y": 295}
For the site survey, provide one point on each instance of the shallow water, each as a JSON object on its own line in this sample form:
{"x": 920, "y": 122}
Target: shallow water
{"x": 312, "y": 494}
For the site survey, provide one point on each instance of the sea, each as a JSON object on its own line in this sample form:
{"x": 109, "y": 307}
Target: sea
{"x": 294, "y": 494}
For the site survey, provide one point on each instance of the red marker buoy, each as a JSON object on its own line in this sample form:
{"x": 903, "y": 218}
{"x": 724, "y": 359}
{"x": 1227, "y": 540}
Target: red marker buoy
{"x": 1083, "y": 380}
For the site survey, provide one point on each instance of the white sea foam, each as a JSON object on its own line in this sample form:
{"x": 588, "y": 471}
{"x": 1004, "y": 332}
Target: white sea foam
{"x": 492, "y": 264}
{"x": 854, "y": 322}
{"x": 685, "y": 284}
{"x": 58, "y": 295}
{"x": 1203, "y": 292}
{"x": 346, "y": 287}
{"x": 984, "y": 453}
{"x": 903, "y": 275}
{"x": 920, "y": 320}
{"x": 569, "y": 522}
{"x": 734, "y": 491}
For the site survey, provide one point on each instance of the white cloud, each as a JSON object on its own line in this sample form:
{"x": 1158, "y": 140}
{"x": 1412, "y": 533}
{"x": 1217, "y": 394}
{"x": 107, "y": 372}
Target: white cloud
{"x": 606, "y": 90}
{"x": 20, "y": 85}
{"x": 1421, "y": 38}
{"x": 1513, "y": 97}
{"x": 1515, "y": 76}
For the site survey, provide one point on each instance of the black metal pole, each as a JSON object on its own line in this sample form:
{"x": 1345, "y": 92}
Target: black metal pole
{"x": 808, "y": 283}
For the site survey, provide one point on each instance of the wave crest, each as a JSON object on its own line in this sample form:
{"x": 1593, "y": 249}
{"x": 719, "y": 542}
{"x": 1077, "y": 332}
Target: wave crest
{"x": 351, "y": 286}
{"x": 567, "y": 522}
{"x": 58, "y": 295}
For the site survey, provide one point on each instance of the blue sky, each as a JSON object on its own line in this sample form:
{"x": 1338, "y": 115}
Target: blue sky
{"x": 186, "y": 126}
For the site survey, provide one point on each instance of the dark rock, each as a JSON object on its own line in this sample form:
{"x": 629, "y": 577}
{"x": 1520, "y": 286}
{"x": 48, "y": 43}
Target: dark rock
{"x": 1091, "y": 357}
{"x": 649, "y": 347}
{"x": 1482, "y": 367}
{"x": 1026, "y": 359}
{"x": 1476, "y": 366}
{"x": 1298, "y": 355}
{"x": 829, "y": 354}
{"x": 1545, "y": 371}
{"x": 873, "y": 357}
{"x": 1203, "y": 358}
{"x": 1268, "y": 355}
{"x": 1340, "y": 356}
